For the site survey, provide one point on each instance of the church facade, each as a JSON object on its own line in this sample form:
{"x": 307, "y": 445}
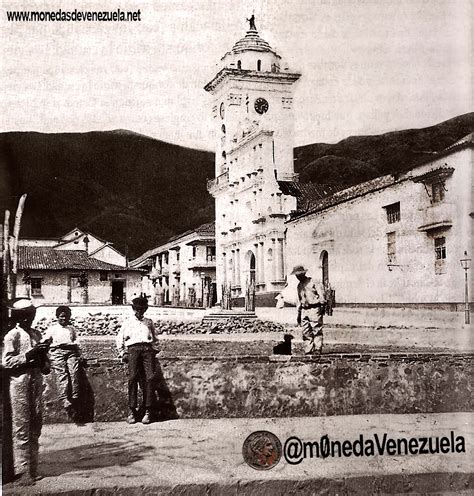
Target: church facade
{"x": 252, "y": 110}
{"x": 397, "y": 240}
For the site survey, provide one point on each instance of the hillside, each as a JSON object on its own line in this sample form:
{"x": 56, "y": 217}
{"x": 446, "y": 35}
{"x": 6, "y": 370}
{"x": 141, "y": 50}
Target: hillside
{"x": 137, "y": 191}
{"x": 124, "y": 187}
{"x": 360, "y": 158}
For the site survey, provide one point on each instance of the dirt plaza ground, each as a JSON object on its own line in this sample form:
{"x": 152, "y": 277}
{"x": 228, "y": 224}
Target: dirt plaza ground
{"x": 191, "y": 457}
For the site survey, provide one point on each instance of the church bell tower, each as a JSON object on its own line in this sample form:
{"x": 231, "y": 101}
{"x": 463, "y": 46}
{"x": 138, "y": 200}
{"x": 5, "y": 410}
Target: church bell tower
{"x": 252, "y": 110}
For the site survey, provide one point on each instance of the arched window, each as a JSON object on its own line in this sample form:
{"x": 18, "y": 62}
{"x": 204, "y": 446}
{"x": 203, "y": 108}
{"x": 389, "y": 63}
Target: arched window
{"x": 239, "y": 64}
{"x": 223, "y": 128}
{"x": 259, "y": 65}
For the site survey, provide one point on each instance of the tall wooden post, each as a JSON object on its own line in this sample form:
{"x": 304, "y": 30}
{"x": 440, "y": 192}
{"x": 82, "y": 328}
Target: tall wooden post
{"x": 9, "y": 269}
{"x": 8, "y": 471}
{"x": 14, "y": 244}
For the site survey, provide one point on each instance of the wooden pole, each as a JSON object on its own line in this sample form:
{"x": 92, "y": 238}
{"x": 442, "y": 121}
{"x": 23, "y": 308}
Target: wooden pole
{"x": 8, "y": 471}
{"x": 14, "y": 243}
{"x": 6, "y": 253}
{"x": 9, "y": 272}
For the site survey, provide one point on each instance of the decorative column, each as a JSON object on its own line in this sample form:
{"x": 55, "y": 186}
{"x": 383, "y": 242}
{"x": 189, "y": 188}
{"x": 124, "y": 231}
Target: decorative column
{"x": 233, "y": 269}
{"x": 237, "y": 262}
{"x": 257, "y": 264}
{"x": 262, "y": 264}
{"x": 274, "y": 260}
{"x": 281, "y": 260}
{"x": 224, "y": 268}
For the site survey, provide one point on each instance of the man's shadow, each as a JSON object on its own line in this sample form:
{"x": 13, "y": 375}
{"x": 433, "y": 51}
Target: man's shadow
{"x": 89, "y": 457}
{"x": 84, "y": 406}
{"x": 163, "y": 407}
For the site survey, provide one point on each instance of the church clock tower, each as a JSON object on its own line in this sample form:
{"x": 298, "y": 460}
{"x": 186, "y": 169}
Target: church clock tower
{"x": 252, "y": 110}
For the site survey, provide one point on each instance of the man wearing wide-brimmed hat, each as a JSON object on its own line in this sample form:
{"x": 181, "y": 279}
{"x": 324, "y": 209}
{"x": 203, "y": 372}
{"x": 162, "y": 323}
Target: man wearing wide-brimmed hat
{"x": 25, "y": 359}
{"x": 138, "y": 345}
{"x": 311, "y": 302}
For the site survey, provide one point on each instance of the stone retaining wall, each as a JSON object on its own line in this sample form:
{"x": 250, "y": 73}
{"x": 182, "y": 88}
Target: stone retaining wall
{"x": 210, "y": 386}
{"x": 107, "y": 324}
{"x": 153, "y": 312}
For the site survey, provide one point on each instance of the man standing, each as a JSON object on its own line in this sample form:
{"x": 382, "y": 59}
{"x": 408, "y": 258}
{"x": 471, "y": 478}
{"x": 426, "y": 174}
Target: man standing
{"x": 65, "y": 355}
{"x": 25, "y": 359}
{"x": 137, "y": 344}
{"x": 311, "y": 302}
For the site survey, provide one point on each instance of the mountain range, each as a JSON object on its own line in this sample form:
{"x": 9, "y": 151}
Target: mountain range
{"x": 137, "y": 191}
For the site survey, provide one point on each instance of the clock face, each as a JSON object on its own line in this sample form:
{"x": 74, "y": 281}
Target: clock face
{"x": 261, "y": 105}
{"x": 222, "y": 110}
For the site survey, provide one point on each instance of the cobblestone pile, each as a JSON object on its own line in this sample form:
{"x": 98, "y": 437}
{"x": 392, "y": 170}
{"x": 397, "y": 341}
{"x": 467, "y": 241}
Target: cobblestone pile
{"x": 103, "y": 324}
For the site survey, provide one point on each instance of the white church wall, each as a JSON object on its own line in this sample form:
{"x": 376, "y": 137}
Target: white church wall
{"x": 355, "y": 235}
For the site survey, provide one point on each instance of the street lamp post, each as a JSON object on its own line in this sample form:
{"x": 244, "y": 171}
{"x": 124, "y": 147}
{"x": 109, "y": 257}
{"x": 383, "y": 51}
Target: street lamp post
{"x": 465, "y": 265}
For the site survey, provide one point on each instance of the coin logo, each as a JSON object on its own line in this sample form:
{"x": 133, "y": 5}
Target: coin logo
{"x": 262, "y": 450}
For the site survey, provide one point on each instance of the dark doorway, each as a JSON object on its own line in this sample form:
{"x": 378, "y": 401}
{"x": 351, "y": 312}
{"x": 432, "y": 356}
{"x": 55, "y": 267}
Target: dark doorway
{"x": 117, "y": 292}
{"x": 213, "y": 294}
{"x": 325, "y": 268}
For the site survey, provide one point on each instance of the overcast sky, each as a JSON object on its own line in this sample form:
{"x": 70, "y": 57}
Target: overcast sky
{"x": 368, "y": 66}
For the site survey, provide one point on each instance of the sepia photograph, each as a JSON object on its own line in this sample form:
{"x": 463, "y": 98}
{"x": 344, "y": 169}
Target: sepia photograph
{"x": 236, "y": 247}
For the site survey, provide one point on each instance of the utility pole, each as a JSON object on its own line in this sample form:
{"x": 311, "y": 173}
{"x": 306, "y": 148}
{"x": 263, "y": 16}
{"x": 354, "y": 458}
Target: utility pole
{"x": 465, "y": 265}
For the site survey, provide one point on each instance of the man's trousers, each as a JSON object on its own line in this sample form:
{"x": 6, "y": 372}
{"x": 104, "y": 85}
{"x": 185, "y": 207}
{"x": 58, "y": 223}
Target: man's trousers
{"x": 141, "y": 370}
{"x": 312, "y": 323}
{"x": 26, "y": 393}
{"x": 65, "y": 363}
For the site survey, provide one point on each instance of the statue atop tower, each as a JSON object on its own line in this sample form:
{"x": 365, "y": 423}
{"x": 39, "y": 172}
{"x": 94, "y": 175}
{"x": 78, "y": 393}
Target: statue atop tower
{"x": 251, "y": 22}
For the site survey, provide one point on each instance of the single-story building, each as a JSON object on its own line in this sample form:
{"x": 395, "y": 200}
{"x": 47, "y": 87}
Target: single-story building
{"x": 77, "y": 268}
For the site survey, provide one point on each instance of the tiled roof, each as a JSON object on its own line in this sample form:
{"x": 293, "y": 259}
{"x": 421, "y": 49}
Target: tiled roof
{"x": 467, "y": 140}
{"x": 47, "y": 258}
{"x": 348, "y": 194}
{"x": 142, "y": 262}
{"x": 203, "y": 230}
{"x": 308, "y": 194}
{"x": 143, "y": 258}
{"x": 308, "y": 204}
{"x": 435, "y": 173}
{"x": 207, "y": 229}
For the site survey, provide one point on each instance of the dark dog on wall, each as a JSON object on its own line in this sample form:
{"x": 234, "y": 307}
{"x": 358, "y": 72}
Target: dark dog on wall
{"x": 283, "y": 348}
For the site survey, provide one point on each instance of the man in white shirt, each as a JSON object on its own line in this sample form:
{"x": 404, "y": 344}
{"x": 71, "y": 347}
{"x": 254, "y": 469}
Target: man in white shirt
{"x": 137, "y": 344}
{"x": 311, "y": 303}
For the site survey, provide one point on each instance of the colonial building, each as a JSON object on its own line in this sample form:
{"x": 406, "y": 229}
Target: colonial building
{"x": 252, "y": 109}
{"x": 182, "y": 271}
{"x": 76, "y": 268}
{"x": 395, "y": 240}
